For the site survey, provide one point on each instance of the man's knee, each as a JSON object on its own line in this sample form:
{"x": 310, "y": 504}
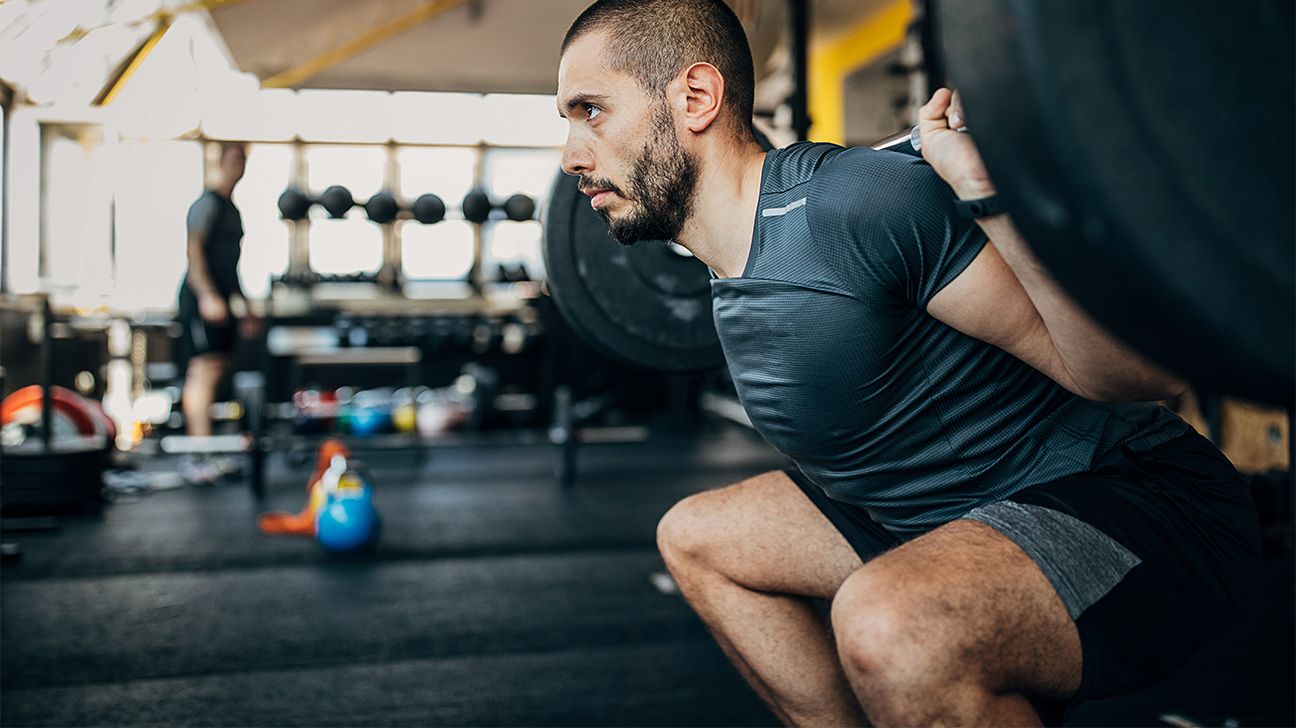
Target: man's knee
{"x": 888, "y": 638}
{"x": 868, "y": 625}
{"x": 686, "y": 534}
{"x": 902, "y": 655}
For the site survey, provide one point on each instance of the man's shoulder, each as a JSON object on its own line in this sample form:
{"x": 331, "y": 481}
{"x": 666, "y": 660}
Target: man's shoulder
{"x": 205, "y": 211}
{"x": 861, "y": 184}
{"x": 866, "y": 167}
{"x": 825, "y": 163}
{"x": 792, "y": 166}
{"x": 207, "y": 199}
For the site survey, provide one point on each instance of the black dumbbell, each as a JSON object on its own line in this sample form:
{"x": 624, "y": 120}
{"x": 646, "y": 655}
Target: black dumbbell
{"x": 477, "y": 207}
{"x": 519, "y": 208}
{"x": 337, "y": 201}
{"x": 429, "y": 209}
{"x": 382, "y": 207}
{"x": 294, "y": 204}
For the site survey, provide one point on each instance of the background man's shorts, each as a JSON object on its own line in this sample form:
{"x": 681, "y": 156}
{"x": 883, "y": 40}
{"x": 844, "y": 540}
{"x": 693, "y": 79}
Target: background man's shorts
{"x": 198, "y": 336}
{"x": 1152, "y": 552}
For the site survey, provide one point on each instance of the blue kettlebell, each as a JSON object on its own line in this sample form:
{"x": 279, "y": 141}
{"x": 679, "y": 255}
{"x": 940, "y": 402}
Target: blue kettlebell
{"x": 348, "y": 521}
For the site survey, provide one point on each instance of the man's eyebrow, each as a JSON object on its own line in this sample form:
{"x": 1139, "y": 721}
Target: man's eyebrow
{"x": 566, "y": 107}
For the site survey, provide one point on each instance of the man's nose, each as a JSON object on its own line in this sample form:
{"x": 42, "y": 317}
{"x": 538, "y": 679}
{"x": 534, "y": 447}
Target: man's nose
{"x": 576, "y": 159}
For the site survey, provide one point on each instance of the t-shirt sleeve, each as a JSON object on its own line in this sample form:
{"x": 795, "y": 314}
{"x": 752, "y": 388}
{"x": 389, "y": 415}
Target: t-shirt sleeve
{"x": 895, "y": 221}
{"x": 202, "y": 215}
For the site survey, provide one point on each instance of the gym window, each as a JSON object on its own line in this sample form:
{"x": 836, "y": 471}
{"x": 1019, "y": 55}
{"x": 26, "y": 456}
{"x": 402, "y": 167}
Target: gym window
{"x": 158, "y": 182}
{"x": 443, "y": 250}
{"x": 265, "y": 235}
{"x": 352, "y": 244}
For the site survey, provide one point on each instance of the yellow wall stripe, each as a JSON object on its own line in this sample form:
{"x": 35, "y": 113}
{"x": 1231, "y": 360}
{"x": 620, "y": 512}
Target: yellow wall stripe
{"x": 832, "y": 62}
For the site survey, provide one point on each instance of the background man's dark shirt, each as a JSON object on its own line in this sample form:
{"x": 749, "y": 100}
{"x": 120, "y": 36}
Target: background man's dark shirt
{"x": 216, "y": 218}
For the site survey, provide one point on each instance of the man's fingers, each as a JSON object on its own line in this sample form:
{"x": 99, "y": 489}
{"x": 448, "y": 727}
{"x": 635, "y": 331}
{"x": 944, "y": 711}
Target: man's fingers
{"x": 934, "y": 110}
{"x": 956, "y": 118}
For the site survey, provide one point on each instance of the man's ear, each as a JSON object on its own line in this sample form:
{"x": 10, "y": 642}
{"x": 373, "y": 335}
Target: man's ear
{"x": 703, "y": 93}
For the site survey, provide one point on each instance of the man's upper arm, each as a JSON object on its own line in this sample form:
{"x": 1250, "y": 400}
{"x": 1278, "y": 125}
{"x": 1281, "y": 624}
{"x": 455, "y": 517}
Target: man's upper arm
{"x": 202, "y": 217}
{"x": 987, "y": 302}
{"x": 896, "y": 223}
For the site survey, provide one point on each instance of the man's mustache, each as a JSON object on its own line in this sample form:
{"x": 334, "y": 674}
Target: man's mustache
{"x": 587, "y": 184}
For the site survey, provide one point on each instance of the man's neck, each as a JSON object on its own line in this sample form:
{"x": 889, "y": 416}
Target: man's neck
{"x": 719, "y": 231}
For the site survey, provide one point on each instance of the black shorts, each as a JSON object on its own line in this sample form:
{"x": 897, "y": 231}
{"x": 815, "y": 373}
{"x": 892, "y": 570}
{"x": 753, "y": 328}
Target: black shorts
{"x": 199, "y": 337}
{"x": 1152, "y": 552}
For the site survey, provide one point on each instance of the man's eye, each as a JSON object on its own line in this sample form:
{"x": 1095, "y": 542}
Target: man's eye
{"x": 592, "y": 112}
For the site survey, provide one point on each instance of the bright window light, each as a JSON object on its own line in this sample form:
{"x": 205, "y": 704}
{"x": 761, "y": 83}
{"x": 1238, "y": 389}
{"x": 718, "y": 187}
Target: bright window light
{"x": 510, "y": 243}
{"x": 444, "y": 250}
{"x": 67, "y": 185}
{"x": 77, "y": 179}
{"x": 359, "y": 169}
{"x": 436, "y": 118}
{"x": 265, "y": 235}
{"x": 160, "y": 100}
{"x": 522, "y": 119}
{"x": 447, "y": 173}
{"x": 530, "y": 172}
{"x": 24, "y": 201}
{"x": 349, "y": 245}
{"x": 241, "y": 110}
{"x": 158, "y": 182}
{"x": 343, "y": 116}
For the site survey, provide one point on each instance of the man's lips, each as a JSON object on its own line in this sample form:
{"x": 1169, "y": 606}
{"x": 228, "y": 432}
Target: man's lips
{"x": 596, "y": 196}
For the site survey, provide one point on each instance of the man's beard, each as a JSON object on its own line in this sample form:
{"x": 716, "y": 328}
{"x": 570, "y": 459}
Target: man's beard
{"x": 661, "y": 184}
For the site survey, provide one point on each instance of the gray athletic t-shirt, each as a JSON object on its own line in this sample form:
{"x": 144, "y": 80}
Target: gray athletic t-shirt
{"x": 216, "y": 218}
{"x": 841, "y": 368}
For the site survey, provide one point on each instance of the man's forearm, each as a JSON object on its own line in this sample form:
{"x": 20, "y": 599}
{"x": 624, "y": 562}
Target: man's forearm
{"x": 1101, "y": 366}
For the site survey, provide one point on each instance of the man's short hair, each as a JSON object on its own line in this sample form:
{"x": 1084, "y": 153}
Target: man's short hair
{"x": 653, "y": 40}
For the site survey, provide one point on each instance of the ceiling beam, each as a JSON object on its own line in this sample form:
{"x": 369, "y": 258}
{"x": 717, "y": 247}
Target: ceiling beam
{"x": 157, "y": 16}
{"x": 118, "y": 80}
{"x": 312, "y": 67}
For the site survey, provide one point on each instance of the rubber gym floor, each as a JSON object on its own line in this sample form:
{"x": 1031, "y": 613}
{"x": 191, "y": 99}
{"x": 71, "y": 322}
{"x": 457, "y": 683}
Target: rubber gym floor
{"x": 495, "y": 598}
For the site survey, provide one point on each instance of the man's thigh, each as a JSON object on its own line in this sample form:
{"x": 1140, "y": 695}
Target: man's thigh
{"x": 763, "y": 533}
{"x": 963, "y": 603}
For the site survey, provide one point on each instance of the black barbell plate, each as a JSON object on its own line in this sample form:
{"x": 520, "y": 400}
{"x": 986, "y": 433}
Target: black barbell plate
{"x": 644, "y": 305}
{"x": 1111, "y": 130}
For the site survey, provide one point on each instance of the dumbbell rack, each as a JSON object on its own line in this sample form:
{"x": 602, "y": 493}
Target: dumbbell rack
{"x": 384, "y": 209}
{"x": 377, "y": 332}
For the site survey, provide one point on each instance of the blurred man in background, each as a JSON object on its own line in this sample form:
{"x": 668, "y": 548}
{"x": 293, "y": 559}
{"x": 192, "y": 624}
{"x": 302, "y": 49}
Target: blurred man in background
{"x": 212, "y": 308}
